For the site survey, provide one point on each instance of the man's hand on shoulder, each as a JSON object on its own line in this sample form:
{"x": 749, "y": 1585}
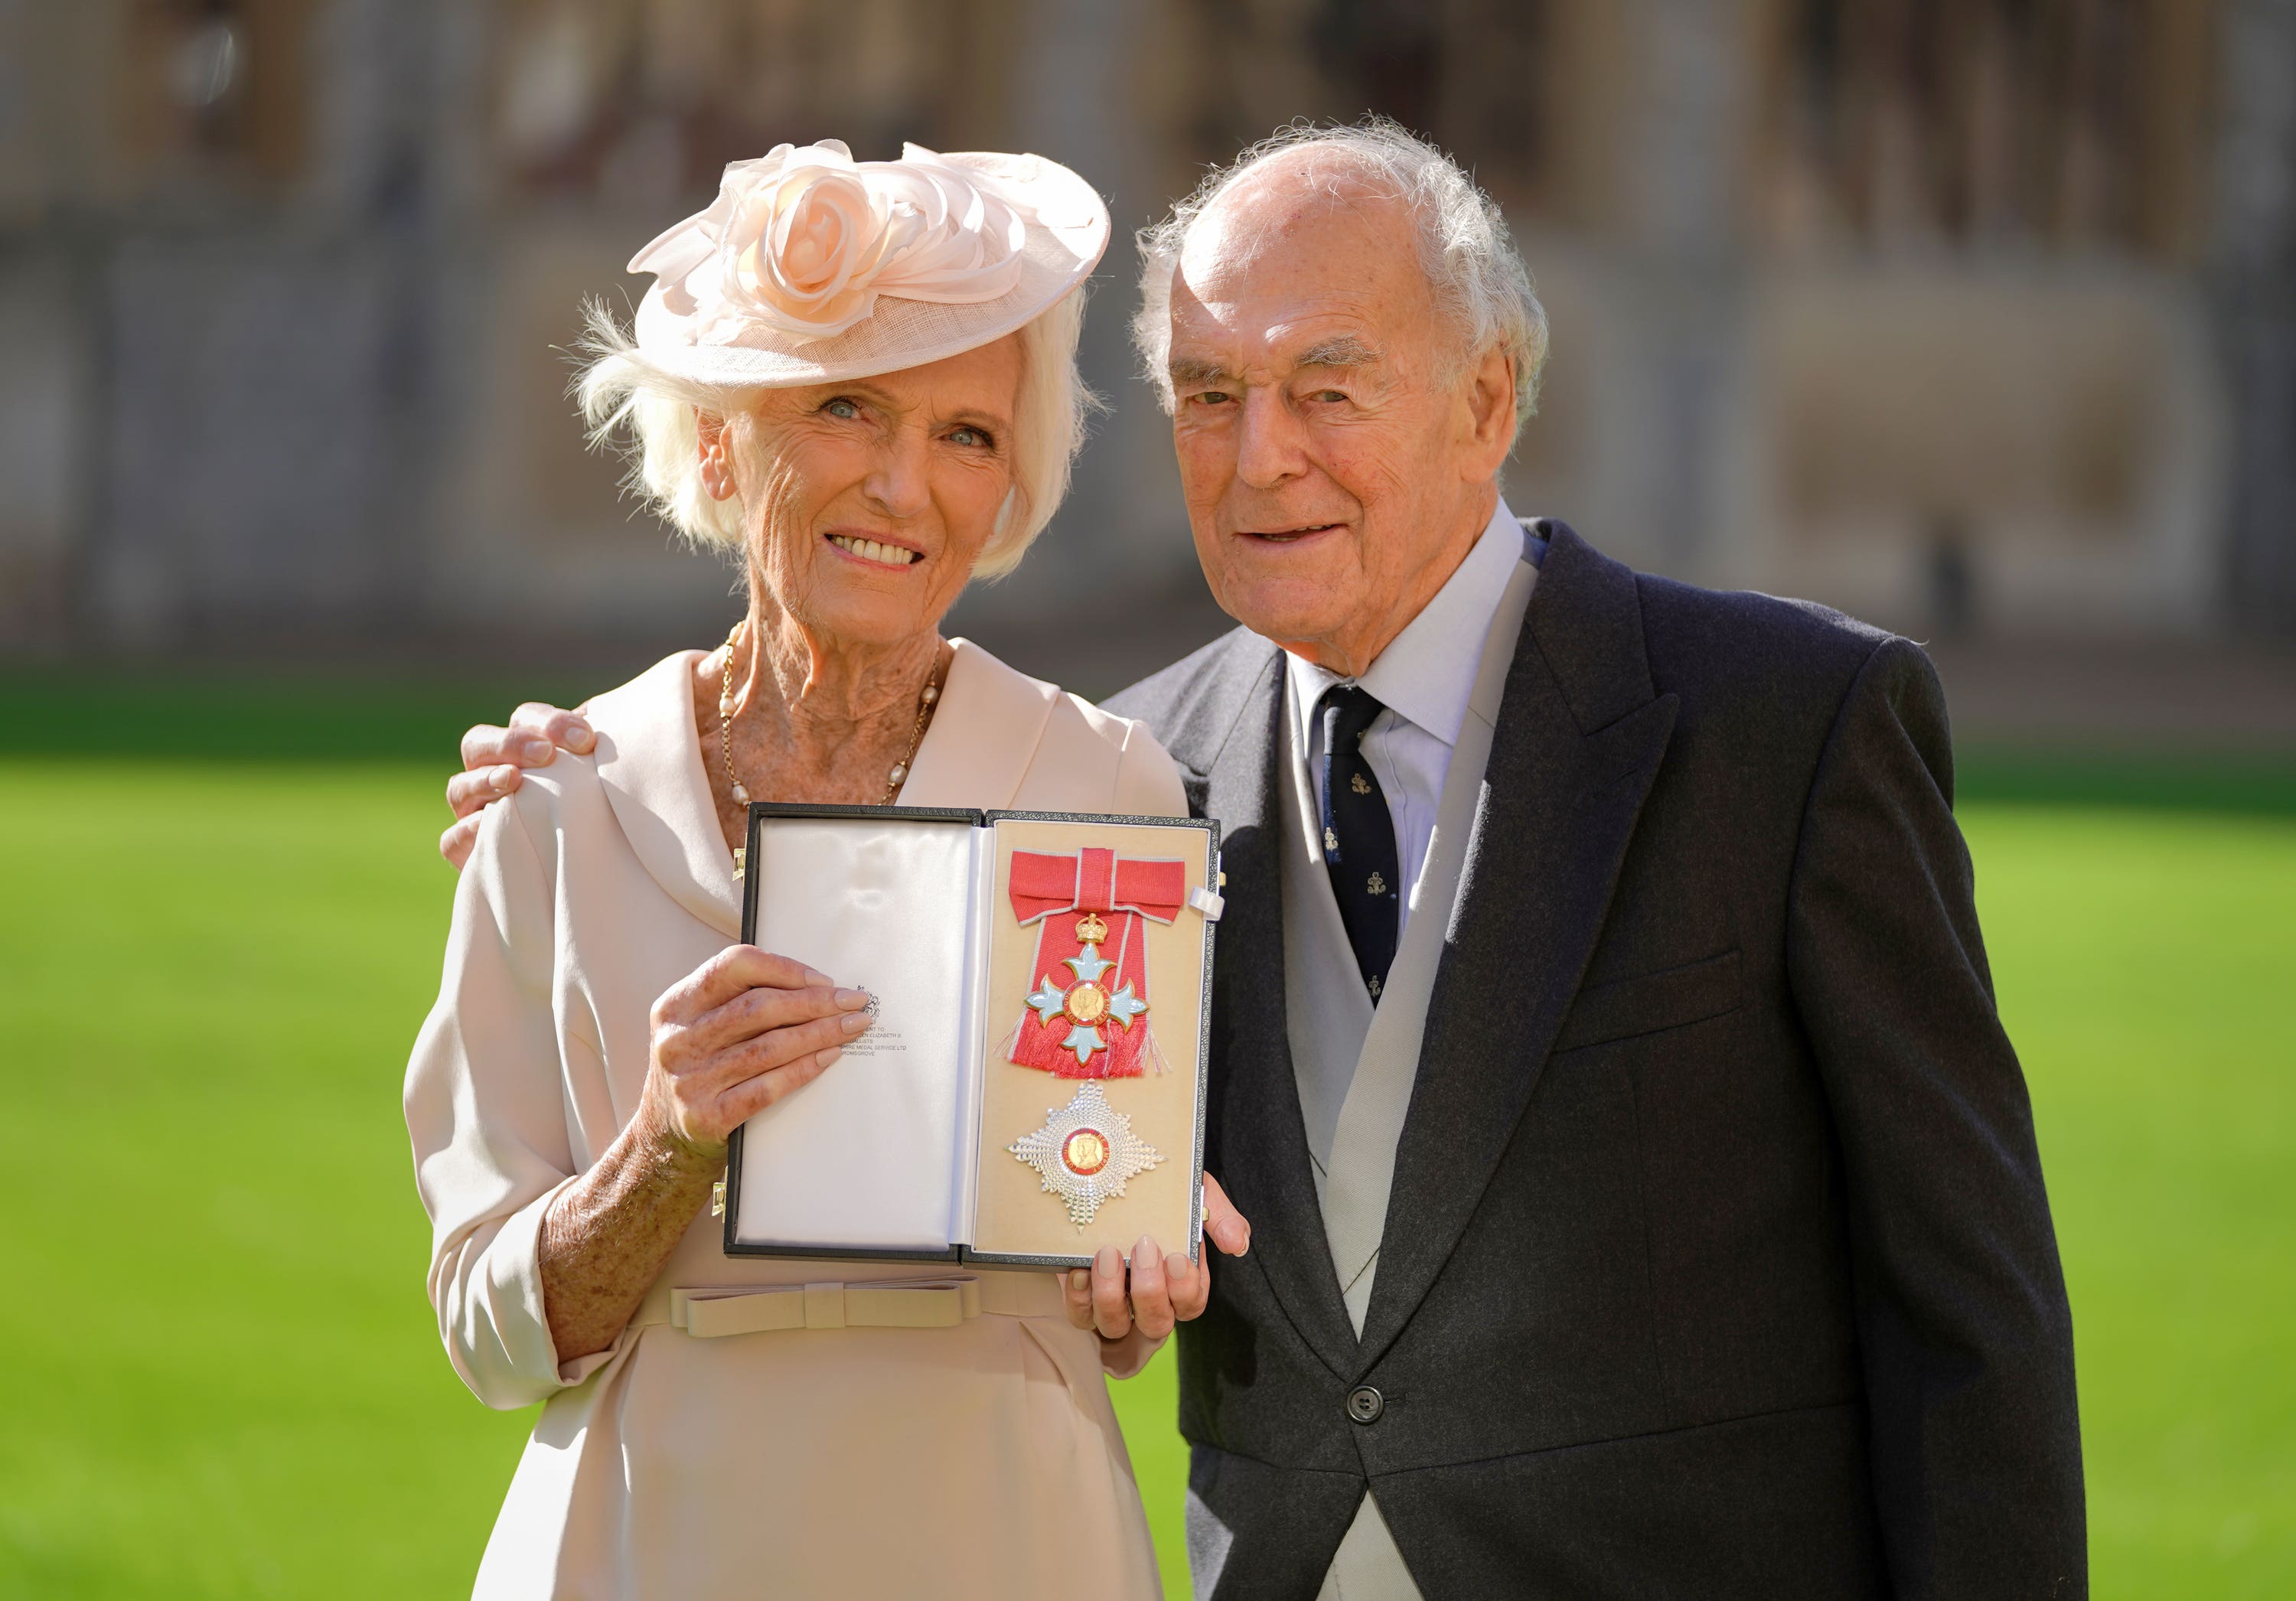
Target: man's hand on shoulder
{"x": 493, "y": 759}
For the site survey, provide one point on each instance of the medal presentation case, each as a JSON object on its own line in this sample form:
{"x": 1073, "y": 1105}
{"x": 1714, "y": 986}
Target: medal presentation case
{"x": 1031, "y": 1086}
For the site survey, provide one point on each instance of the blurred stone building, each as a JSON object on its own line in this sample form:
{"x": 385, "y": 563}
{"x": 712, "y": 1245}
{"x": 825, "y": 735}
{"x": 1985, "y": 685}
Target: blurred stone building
{"x": 1963, "y": 314}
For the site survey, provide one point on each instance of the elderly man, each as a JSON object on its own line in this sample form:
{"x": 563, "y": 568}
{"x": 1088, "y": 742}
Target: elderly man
{"x": 1644, "y": 1193}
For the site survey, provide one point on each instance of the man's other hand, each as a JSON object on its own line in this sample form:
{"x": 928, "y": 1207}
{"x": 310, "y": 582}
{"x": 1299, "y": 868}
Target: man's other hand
{"x": 493, "y": 759}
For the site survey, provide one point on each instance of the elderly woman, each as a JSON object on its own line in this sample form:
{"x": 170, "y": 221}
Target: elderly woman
{"x": 861, "y": 377}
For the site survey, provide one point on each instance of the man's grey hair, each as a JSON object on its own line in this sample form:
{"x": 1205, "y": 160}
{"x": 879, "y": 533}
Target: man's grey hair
{"x": 1478, "y": 278}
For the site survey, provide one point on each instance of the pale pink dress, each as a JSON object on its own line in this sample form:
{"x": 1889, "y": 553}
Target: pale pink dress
{"x": 978, "y": 1460}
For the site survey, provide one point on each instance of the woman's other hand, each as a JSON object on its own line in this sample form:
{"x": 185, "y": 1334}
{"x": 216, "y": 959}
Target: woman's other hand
{"x": 737, "y": 1034}
{"x": 1159, "y": 1290}
{"x": 492, "y": 761}
{"x": 740, "y": 1032}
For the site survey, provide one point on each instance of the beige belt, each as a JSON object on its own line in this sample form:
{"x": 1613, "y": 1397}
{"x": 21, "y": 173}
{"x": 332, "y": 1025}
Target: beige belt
{"x": 712, "y": 1312}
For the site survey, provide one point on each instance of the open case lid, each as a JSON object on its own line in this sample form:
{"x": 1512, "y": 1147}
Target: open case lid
{"x": 992, "y": 1113}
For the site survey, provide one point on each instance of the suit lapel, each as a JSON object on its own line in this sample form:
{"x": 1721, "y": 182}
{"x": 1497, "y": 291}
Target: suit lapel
{"x": 1258, "y": 1144}
{"x": 1580, "y": 737}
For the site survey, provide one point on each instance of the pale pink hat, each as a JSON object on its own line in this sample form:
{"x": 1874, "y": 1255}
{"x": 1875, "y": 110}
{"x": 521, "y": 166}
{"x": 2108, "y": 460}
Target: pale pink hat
{"x": 811, "y": 266}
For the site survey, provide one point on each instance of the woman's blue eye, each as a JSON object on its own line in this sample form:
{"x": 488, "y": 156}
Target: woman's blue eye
{"x": 969, "y": 436}
{"x": 842, "y": 408}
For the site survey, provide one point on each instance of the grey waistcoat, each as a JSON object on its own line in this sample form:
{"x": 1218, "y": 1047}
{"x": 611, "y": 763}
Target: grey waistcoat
{"x": 1344, "y": 1050}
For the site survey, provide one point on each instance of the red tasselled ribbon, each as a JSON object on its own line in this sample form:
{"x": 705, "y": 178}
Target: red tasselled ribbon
{"x": 1061, "y": 892}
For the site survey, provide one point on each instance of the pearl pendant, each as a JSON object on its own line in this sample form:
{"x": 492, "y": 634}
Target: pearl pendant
{"x": 932, "y": 694}
{"x": 740, "y": 795}
{"x": 899, "y": 772}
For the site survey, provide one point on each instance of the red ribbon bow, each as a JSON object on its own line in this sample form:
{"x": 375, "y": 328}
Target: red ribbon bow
{"x": 1121, "y": 891}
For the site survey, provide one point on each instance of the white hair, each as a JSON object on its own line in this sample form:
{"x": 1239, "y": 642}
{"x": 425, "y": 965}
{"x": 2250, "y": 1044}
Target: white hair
{"x": 1478, "y": 278}
{"x": 631, "y": 404}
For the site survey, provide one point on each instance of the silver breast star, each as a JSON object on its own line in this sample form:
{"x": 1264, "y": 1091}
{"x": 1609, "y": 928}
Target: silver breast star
{"x": 1085, "y": 1153}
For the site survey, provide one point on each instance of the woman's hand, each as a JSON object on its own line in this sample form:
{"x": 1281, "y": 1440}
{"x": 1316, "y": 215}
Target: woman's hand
{"x": 741, "y": 1031}
{"x": 1162, "y": 1290}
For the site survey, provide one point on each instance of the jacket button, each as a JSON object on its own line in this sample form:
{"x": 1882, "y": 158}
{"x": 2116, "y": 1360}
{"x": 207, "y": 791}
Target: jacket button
{"x": 1365, "y": 1404}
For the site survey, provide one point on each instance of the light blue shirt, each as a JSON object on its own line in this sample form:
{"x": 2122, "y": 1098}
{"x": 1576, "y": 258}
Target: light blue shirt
{"x": 1424, "y": 678}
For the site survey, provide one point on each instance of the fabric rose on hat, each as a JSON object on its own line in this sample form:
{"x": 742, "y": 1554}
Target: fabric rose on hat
{"x": 805, "y": 239}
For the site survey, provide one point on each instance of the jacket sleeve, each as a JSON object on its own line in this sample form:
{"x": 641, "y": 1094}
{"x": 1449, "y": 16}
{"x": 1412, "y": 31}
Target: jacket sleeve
{"x": 486, "y": 1112}
{"x": 1964, "y": 1335}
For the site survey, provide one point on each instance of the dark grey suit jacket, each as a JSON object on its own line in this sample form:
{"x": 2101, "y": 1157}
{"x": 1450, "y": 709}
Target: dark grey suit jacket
{"x": 1717, "y": 1263}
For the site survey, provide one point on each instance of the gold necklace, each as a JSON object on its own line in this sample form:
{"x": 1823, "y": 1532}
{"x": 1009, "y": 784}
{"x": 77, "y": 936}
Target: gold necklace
{"x": 926, "y": 701}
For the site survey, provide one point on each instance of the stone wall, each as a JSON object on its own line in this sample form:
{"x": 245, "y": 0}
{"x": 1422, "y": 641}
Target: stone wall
{"x": 285, "y": 287}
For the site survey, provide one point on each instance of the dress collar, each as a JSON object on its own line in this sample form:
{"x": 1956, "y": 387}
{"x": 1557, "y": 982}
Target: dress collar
{"x": 650, "y": 761}
{"x": 1427, "y": 673}
{"x": 984, "y": 737}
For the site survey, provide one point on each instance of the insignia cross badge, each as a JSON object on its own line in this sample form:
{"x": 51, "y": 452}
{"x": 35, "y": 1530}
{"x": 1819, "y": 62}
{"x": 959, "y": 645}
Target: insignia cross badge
{"x": 1087, "y": 1003}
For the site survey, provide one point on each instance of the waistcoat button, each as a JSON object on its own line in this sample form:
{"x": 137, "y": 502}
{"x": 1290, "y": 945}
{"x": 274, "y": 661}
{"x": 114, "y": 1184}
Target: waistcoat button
{"x": 1365, "y": 1404}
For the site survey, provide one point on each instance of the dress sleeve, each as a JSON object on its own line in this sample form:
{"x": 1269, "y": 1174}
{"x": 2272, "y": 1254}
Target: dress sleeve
{"x": 486, "y": 1112}
{"x": 1963, "y": 1332}
{"x": 1147, "y": 785}
{"x": 1147, "y": 779}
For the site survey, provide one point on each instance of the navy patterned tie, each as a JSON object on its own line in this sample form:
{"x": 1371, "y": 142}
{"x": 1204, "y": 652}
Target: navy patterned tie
{"x": 1358, "y": 834}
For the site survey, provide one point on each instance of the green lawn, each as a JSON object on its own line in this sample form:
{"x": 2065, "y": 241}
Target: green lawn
{"x": 225, "y": 1379}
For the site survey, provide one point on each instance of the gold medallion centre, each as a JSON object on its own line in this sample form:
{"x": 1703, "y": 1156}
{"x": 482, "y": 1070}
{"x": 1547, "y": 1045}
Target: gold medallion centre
{"x": 1087, "y": 1003}
{"x": 1086, "y": 1152}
